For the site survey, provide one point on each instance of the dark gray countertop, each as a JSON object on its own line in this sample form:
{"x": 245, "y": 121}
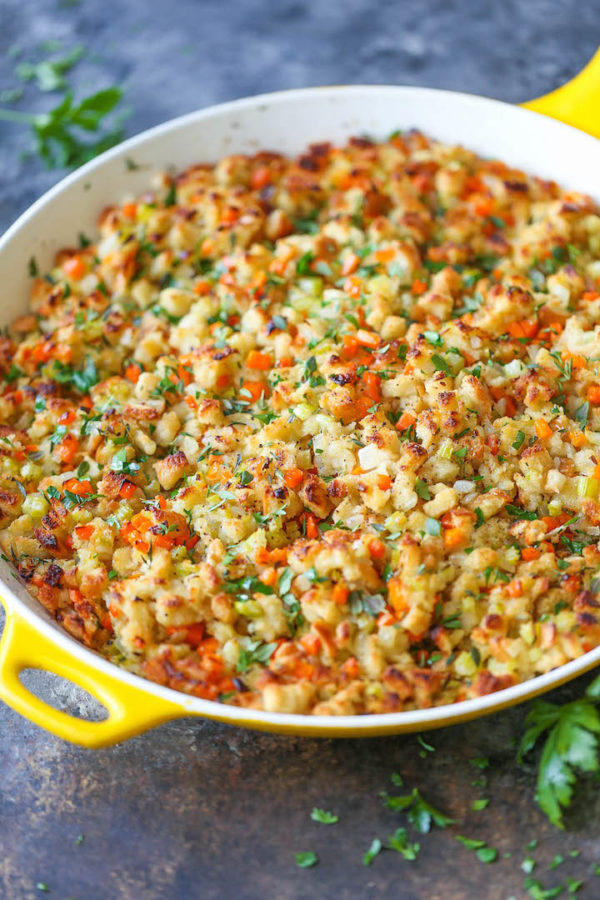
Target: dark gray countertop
{"x": 201, "y": 810}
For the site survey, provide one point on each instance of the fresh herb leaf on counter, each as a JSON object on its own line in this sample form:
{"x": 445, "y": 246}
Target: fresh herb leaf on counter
{"x": 571, "y": 744}
{"x": 60, "y": 133}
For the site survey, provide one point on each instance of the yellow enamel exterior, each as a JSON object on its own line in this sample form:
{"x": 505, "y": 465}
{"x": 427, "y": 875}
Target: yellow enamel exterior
{"x": 576, "y": 103}
{"x": 132, "y": 710}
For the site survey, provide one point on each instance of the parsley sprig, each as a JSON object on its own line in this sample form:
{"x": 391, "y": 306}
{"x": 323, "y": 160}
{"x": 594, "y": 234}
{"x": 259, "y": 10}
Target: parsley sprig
{"x": 571, "y": 744}
{"x": 60, "y": 133}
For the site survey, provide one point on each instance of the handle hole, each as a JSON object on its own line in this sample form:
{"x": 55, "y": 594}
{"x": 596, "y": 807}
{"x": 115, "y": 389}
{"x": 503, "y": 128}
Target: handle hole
{"x": 63, "y": 695}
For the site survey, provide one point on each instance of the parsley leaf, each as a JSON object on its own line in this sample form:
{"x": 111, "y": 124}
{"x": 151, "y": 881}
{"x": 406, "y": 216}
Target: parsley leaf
{"x": 571, "y": 743}
{"x": 306, "y": 860}
{"x": 324, "y": 817}
{"x": 373, "y": 851}
{"x": 421, "y": 814}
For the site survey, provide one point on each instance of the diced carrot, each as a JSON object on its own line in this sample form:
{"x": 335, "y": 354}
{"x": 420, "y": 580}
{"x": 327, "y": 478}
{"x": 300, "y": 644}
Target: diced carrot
{"x": 310, "y": 643}
{"x": 588, "y": 296}
{"x": 294, "y": 478}
{"x": 268, "y": 577}
{"x": 593, "y": 394}
{"x": 530, "y": 553}
{"x": 372, "y": 383}
{"x": 312, "y": 526}
{"x": 353, "y": 286}
{"x": 279, "y": 555}
{"x": 596, "y": 472}
{"x": 133, "y": 372}
{"x": 542, "y": 429}
{"x": 515, "y": 588}
{"x": 255, "y": 388}
{"x": 80, "y": 488}
{"x": 510, "y": 406}
{"x": 223, "y": 380}
{"x": 367, "y": 338}
{"x": 339, "y": 593}
{"x": 258, "y": 360}
{"x": 129, "y": 210}
{"x": 230, "y": 215}
{"x": 578, "y": 439}
{"x": 526, "y": 328}
{"x": 350, "y": 264}
{"x": 351, "y": 345}
{"x": 385, "y": 255}
{"x": 127, "y": 490}
{"x": 484, "y": 206}
{"x": 351, "y": 668}
{"x": 67, "y": 417}
{"x": 84, "y": 532}
{"x": 386, "y": 618}
{"x": 194, "y": 634}
{"x": 497, "y": 274}
{"x": 286, "y": 362}
{"x": 377, "y": 548}
{"x": 406, "y": 420}
{"x": 384, "y": 482}
{"x": 202, "y": 287}
{"x": 191, "y": 402}
{"x": 397, "y": 595}
{"x": 74, "y": 268}
{"x": 453, "y": 537}
{"x": 67, "y": 449}
{"x": 418, "y": 286}
{"x": 260, "y": 178}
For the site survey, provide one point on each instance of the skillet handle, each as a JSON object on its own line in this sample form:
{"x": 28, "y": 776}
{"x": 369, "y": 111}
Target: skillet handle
{"x": 577, "y": 102}
{"x": 130, "y": 710}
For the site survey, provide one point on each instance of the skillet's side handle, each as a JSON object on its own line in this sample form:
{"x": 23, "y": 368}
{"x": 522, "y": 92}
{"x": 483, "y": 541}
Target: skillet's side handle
{"x": 577, "y": 102}
{"x": 130, "y": 709}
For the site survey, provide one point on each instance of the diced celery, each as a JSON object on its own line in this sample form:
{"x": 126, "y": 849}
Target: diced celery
{"x": 35, "y": 505}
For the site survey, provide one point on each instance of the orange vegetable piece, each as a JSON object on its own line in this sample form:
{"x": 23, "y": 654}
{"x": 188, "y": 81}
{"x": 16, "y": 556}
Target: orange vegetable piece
{"x": 260, "y": 178}
{"x": 453, "y": 537}
{"x": 514, "y": 588}
{"x": 578, "y": 439}
{"x": 202, "y": 287}
{"x": 367, "y": 338}
{"x": 384, "y": 482}
{"x": 312, "y": 526}
{"x": 133, "y": 372}
{"x": 340, "y": 593}
{"x": 353, "y": 286}
{"x": 350, "y": 264}
{"x": 593, "y": 394}
{"x": 195, "y": 634}
{"x": 84, "y": 532}
{"x": 351, "y": 345}
{"x": 129, "y": 210}
{"x": 294, "y": 478}
{"x": 377, "y": 548}
{"x": 67, "y": 449}
{"x": 255, "y": 388}
{"x": 418, "y": 286}
{"x": 530, "y": 553}
{"x": 372, "y": 383}
{"x": 74, "y": 268}
{"x": 128, "y": 489}
{"x": 258, "y": 360}
{"x": 405, "y": 421}
{"x": 542, "y": 429}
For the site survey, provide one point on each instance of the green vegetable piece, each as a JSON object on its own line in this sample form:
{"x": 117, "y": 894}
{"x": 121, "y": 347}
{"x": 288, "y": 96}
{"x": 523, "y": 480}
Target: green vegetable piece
{"x": 323, "y": 817}
{"x": 306, "y": 860}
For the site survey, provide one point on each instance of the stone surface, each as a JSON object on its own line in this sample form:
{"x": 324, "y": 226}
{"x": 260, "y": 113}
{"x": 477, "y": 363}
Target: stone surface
{"x": 201, "y": 810}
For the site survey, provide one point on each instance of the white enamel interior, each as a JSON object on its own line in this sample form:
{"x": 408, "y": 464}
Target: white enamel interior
{"x": 287, "y": 122}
